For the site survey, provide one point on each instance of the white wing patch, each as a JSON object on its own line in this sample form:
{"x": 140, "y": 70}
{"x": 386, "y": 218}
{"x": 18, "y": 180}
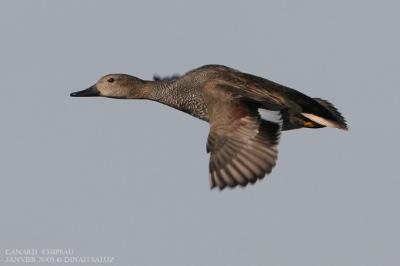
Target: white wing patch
{"x": 271, "y": 116}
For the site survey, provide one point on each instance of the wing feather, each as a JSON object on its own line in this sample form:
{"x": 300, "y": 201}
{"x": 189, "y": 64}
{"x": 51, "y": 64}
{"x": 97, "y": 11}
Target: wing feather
{"x": 242, "y": 144}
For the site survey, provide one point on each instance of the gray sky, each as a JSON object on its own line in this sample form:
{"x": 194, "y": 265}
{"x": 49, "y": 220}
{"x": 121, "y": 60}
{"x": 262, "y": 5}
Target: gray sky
{"x": 129, "y": 179}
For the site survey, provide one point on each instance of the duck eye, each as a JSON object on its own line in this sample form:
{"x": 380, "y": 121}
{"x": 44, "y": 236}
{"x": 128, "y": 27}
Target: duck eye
{"x": 111, "y": 80}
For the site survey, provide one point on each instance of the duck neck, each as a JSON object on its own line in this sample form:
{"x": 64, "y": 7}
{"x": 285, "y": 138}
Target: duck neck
{"x": 165, "y": 92}
{"x": 180, "y": 95}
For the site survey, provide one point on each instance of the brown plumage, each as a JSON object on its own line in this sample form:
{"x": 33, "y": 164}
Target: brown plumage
{"x": 246, "y": 114}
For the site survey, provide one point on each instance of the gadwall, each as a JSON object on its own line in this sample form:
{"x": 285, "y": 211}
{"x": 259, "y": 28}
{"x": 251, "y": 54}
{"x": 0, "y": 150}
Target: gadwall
{"x": 246, "y": 114}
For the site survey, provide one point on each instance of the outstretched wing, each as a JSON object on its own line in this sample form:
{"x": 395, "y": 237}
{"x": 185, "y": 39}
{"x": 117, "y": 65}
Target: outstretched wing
{"x": 243, "y": 146}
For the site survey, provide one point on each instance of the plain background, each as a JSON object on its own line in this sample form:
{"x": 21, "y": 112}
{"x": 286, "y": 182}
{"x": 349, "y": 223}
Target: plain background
{"x": 129, "y": 179}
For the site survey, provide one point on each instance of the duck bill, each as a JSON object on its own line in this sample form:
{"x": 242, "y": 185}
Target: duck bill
{"x": 90, "y": 92}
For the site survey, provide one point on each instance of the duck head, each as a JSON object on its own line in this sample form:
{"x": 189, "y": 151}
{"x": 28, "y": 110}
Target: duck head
{"x": 119, "y": 86}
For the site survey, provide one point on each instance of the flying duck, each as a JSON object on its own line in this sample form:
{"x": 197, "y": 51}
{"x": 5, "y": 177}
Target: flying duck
{"x": 246, "y": 114}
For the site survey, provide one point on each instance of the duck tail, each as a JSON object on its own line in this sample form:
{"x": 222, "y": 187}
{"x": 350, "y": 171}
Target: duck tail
{"x": 340, "y": 120}
{"x": 319, "y": 112}
{"x": 334, "y": 119}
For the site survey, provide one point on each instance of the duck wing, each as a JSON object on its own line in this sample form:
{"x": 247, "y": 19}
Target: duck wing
{"x": 242, "y": 144}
